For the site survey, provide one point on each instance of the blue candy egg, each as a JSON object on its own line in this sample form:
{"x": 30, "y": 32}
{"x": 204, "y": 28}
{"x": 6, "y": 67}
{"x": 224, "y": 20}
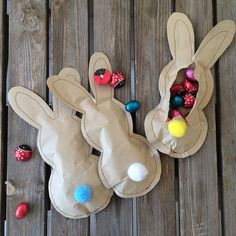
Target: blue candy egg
{"x": 176, "y": 101}
{"x": 132, "y": 106}
{"x": 83, "y": 194}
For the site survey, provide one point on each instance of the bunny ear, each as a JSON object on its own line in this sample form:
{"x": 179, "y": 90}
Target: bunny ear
{"x": 70, "y": 73}
{"x": 69, "y": 92}
{"x": 58, "y": 106}
{"x": 181, "y": 38}
{"x": 215, "y": 43}
{"x": 29, "y": 106}
{"x": 100, "y": 61}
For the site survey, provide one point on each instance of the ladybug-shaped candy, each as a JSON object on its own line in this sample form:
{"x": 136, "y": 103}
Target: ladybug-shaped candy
{"x": 23, "y": 152}
{"x": 117, "y": 80}
{"x": 189, "y": 100}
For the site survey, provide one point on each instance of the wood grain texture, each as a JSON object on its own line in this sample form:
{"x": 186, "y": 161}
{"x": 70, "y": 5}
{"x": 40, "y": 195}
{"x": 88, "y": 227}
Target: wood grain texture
{"x": 156, "y": 212}
{"x": 227, "y": 113}
{"x": 69, "y": 49}
{"x": 112, "y": 36}
{"x": 27, "y": 67}
{"x": 198, "y": 189}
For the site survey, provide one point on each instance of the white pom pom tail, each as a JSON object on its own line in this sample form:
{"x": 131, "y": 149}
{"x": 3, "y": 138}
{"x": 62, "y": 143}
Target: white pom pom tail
{"x": 137, "y": 172}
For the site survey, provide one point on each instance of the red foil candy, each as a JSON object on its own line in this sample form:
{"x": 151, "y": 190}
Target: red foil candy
{"x": 102, "y": 76}
{"x": 23, "y": 152}
{"x": 176, "y": 88}
{"x": 22, "y": 210}
{"x": 174, "y": 113}
{"x": 190, "y": 87}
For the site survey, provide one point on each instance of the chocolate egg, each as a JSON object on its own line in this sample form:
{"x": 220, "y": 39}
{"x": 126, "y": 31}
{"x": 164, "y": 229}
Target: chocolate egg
{"x": 132, "y": 106}
{"x": 176, "y": 101}
{"x": 174, "y": 113}
{"x": 22, "y": 210}
{"x": 189, "y": 74}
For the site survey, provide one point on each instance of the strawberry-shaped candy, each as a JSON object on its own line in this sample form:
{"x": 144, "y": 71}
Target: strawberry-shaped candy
{"x": 189, "y": 100}
{"x": 22, "y": 210}
{"x": 23, "y": 152}
{"x": 117, "y": 80}
{"x": 189, "y": 86}
{"x": 102, "y": 76}
{"x": 177, "y": 89}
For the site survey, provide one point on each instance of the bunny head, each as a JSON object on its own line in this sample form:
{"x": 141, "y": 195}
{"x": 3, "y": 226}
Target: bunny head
{"x": 128, "y": 164}
{"x": 181, "y": 42}
{"x": 62, "y": 146}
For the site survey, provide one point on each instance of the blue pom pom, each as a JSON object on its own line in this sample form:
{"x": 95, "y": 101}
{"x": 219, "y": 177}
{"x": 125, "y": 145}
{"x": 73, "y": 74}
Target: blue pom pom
{"x": 83, "y": 193}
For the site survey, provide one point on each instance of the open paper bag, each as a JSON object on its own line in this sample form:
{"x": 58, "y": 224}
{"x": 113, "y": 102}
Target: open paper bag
{"x": 181, "y": 42}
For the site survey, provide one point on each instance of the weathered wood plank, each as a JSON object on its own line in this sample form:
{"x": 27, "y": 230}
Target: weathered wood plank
{"x": 112, "y": 36}
{"x": 69, "y": 49}
{"x": 198, "y": 190}
{"x": 2, "y": 111}
{"x": 27, "y": 67}
{"x": 227, "y": 113}
{"x": 156, "y": 211}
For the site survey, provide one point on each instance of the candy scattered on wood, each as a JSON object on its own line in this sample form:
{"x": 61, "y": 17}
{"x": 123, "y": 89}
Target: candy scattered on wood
{"x": 22, "y": 210}
{"x": 132, "y": 106}
{"x": 23, "y": 152}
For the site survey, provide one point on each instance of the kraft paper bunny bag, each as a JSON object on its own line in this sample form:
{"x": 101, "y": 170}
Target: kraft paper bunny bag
{"x": 193, "y": 126}
{"x": 128, "y": 163}
{"x": 62, "y": 146}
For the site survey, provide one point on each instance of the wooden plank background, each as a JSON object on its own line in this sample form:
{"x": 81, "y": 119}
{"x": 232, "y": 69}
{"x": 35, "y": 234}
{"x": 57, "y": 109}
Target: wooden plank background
{"x": 197, "y": 195}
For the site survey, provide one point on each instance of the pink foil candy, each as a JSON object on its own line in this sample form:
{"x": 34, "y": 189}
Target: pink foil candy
{"x": 189, "y": 74}
{"x": 174, "y": 113}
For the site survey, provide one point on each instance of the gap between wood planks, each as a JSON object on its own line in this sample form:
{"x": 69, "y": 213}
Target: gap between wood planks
{"x": 3, "y": 163}
{"x": 218, "y": 132}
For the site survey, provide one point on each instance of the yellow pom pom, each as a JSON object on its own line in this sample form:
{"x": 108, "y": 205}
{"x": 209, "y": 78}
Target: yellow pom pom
{"x": 177, "y": 128}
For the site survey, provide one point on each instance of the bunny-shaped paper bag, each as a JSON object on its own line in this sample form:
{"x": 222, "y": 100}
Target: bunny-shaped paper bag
{"x": 62, "y": 146}
{"x": 128, "y": 164}
{"x": 181, "y": 42}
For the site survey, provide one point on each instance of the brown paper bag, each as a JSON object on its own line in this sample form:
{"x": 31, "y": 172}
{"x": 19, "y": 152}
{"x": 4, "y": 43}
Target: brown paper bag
{"x": 62, "y": 146}
{"x": 108, "y": 127}
{"x": 181, "y": 42}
